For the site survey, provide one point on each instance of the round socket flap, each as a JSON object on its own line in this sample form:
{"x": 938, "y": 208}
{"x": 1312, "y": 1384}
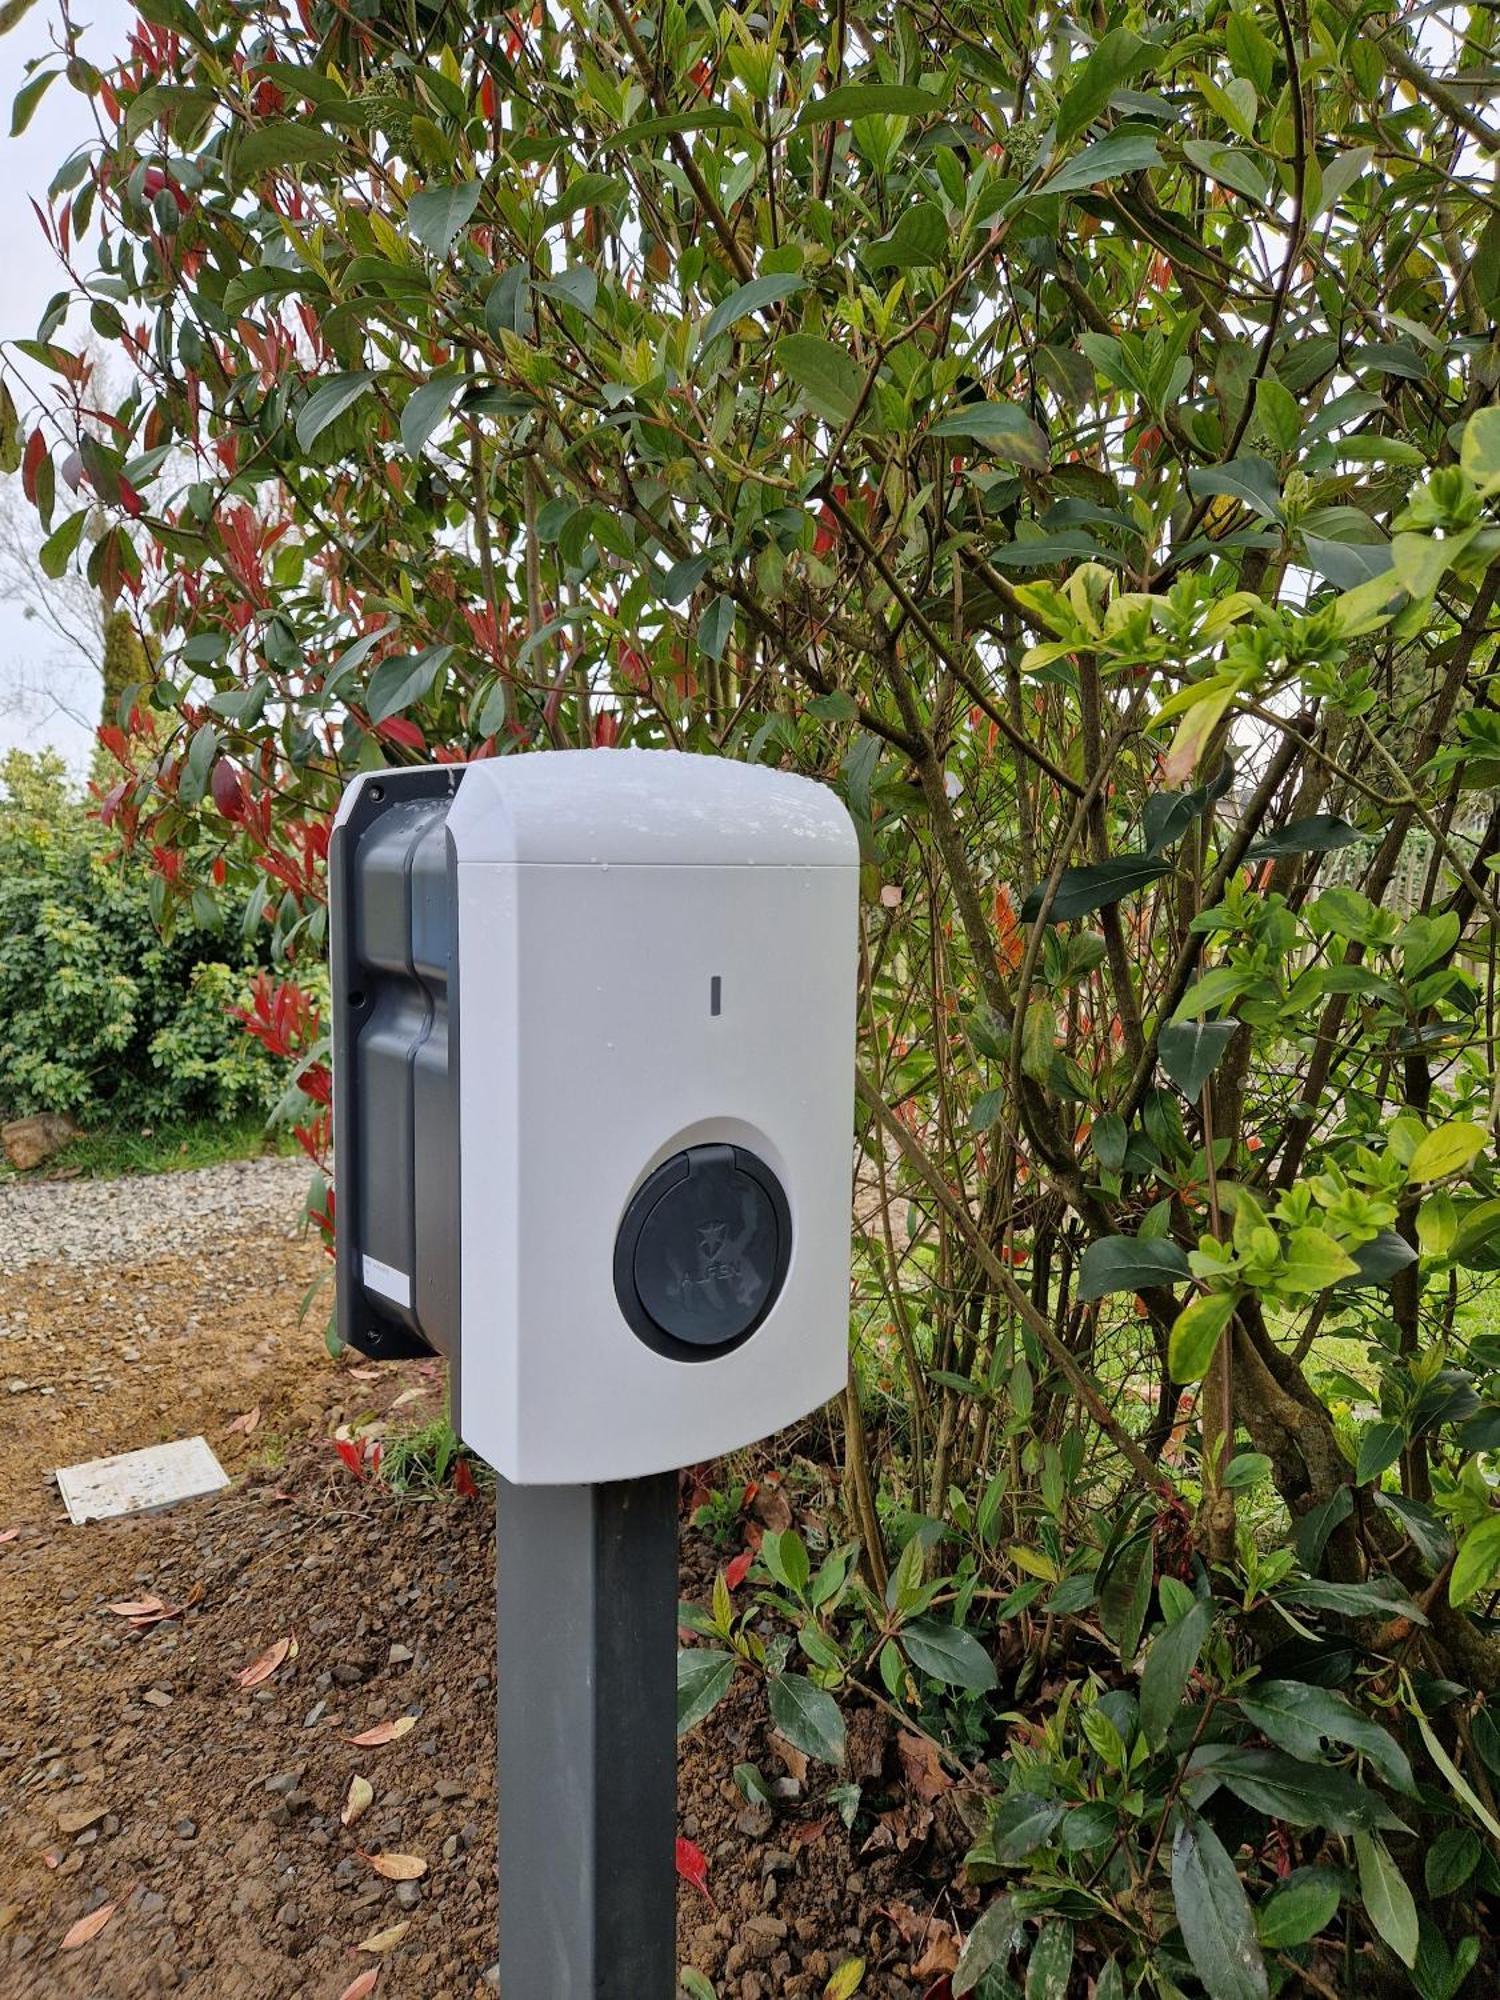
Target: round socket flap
{"x": 702, "y": 1252}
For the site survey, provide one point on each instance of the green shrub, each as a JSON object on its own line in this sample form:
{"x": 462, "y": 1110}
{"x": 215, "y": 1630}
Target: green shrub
{"x": 100, "y": 1014}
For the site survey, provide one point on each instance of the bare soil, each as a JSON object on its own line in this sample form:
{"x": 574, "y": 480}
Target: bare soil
{"x": 136, "y": 1772}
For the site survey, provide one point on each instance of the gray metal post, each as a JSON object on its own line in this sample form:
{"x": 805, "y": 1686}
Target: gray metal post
{"x": 586, "y": 1772}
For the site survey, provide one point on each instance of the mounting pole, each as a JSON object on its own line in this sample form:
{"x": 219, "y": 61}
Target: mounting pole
{"x": 586, "y": 1709}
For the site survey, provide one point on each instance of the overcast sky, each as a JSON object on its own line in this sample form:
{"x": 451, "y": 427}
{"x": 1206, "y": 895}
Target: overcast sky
{"x": 41, "y": 680}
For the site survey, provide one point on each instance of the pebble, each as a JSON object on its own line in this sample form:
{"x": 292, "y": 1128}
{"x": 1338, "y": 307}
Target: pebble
{"x": 113, "y": 1222}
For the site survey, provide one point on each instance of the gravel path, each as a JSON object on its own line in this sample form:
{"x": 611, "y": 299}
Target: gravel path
{"x": 116, "y": 1222}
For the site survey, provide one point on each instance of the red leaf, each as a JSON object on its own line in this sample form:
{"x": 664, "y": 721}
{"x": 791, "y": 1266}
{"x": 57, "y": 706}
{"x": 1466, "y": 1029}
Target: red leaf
{"x": 349, "y": 1452}
{"x": 463, "y": 1481}
{"x": 692, "y": 1866}
{"x": 228, "y": 793}
{"x": 736, "y": 1572}
{"x": 36, "y": 451}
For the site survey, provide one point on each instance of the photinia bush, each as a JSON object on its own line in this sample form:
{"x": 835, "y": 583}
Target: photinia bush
{"x": 1073, "y": 435}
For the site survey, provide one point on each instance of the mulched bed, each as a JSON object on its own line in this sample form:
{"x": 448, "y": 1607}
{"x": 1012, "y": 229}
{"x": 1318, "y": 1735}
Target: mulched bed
{"x": 136, "y": 1771}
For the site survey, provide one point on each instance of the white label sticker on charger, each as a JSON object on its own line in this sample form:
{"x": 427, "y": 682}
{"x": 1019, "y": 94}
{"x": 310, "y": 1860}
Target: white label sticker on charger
{"x": 388, "y": 1281}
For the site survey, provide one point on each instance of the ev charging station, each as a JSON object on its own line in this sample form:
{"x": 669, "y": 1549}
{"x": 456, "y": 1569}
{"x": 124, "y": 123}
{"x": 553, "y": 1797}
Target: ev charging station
{"x": 593, "y": 1032}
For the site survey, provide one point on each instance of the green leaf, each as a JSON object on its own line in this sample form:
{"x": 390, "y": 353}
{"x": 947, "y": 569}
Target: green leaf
{"x": 920, "y": 239}
{"x": 1051, "y": 1962}
{"x": 1248, "y": 479}
{"x": 1004, "y": 430}
{"x": 436, "y": 216}
{"x": 1194, "y": 1339}
{"x": 1214, "y": 1914}
{"x": 28, "y": 97}
{"x": 1129, "y": 1264}
{"x": 808, "y": 1717}
{"x": 831, "y": 382}
{"x": 1020, "y": 1825}
{"x": 749, "y": 298}
{"x": 949, "y": 1654}
{"x": 1298, "y": 1717}
{"x": 1379, "y": 1598}
{"x": 703, "y": 1678}
{"x": 1479, "y": 453}
{"x": 1421, "y": 561}
{"x": 587, "y": 191}
{"x": 1080, "y": 890}
{"x": 1169, "y": 1664}
{"x": 1389, "y": 1903}
{"x": 985, "y": 1110}
{"x": 1378, "y": 1261}
{"x": 865, "y": 100}
{"x": 1105, "y": 160}
{"x": 399, "y": 682}
{"x": 269, "y": 148}
{"x": 1477, "y": 1562}
{"x": 1281, "y": 1787}
{"x": 1451, "y": 1860}
{"x": 1305, "y": 1904}
{"x": 1125, "y": 1594}
{"x": 1318, "y": 1523}
{"x": 1319, "y": 833}
{"x": 1439, "y": 1755}
{"x": 425, "y": 409}
{"x": 1232, "y": 166}
{"x": 1120, "y": 56}
{"x": 785, "y": 1556}
{"x": 58, "y": 549}
{"x": 992, "y": 1942}
{"x": 715, "y": 626}
{"x": 1446, "y": 1151}
{"x": 1190, "y": 1051}
{"x": 330, "y": 400}
{"x": 1379, "y": 1446}
{"x": 1312, "y": 1261}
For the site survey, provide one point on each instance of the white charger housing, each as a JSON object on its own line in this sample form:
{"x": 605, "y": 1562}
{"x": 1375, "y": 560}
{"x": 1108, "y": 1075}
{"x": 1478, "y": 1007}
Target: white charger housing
{"x": 651, "y": 1052}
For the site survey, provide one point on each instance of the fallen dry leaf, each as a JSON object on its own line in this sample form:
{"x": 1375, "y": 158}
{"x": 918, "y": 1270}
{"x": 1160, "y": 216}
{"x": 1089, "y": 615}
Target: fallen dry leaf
{"x": 385, "y": 1940}
{"x": 408, "y": 1396}
{"x": 244, "y": 1424}
{"x": 53, "y": 1857}
{"x": 808, "y": 1831}
{"x": 383, "y": 1732}
{"x": 398, "y": 1867}
{"x": 773, "y": 1509}
{"x": 8, "y": 1535}
{"x": 73, "y": 1819}
{"x": 139, "y": 1607}
{"x": 928, "y": 1935}
{"x": 794, "y": 1759}
{"x": 941, "y": 1955}
{"x": 87, "y": 1928}
{"x": 365, "y": 1374}
{"x": 922, "y": 1766}
{"x": 263, "y": 1668}
{"x": 361, "y": 1797}
{"x": 361, "y": 1988}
